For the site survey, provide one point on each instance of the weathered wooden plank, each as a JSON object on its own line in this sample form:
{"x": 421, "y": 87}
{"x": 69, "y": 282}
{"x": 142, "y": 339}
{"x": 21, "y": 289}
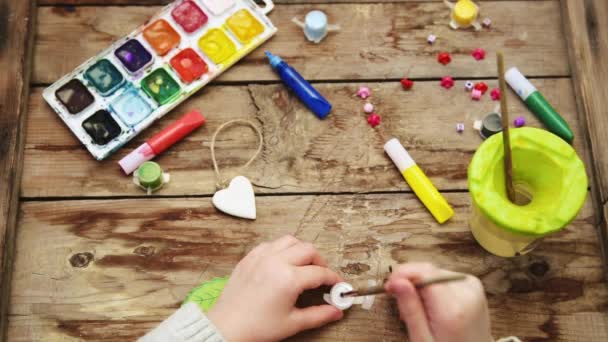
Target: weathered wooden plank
{"x": 587, "y": 36}
{"x": 302, "y": 153}
{"x": 95, "y": 269}
{"x": 16, "y": 37}
{"x": 369, "y": 46}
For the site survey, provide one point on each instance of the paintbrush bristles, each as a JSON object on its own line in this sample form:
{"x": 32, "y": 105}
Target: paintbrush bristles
{"x": 504, "y": 111}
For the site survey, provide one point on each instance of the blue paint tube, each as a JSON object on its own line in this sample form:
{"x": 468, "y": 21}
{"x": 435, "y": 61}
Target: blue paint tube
{"x": 304, "y": 90}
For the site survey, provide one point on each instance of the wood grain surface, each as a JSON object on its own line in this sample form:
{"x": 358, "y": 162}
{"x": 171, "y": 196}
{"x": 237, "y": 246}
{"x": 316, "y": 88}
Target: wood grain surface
{"x": 302, "y": 154}
{"x": 96, "y": 260}
{"x": 92, "y": 269}
{"x": 587, "y": 37}
{"x": 16, "y": 32}
{"x": 369, "y": 46}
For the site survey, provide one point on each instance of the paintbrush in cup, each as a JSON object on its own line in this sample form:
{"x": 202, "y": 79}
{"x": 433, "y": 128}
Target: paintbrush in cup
{"x": 504, "y": 112}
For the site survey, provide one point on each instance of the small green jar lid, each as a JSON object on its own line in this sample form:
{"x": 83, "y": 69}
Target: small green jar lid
{"x": 550, "y": 169}
{"x": 150, "y": 175}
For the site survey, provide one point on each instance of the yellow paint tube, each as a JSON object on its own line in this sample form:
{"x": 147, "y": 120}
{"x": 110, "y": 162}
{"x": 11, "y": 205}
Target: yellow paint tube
{"x": 418, "y": 181}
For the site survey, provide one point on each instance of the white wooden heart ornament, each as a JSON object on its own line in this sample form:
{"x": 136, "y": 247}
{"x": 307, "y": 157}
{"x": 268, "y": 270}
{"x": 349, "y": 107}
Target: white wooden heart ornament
{"x": 238, "y": 199}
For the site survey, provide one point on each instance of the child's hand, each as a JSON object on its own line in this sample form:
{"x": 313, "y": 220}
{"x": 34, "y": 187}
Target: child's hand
{"x": 258, "y": 303}
{"x": 455, "y": 311}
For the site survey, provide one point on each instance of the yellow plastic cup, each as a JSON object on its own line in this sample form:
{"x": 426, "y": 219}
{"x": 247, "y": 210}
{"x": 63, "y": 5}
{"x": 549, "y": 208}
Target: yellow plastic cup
{"x": 551, "y": 182}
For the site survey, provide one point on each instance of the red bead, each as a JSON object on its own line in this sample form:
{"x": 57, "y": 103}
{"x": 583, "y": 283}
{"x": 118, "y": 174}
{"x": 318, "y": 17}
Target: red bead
{"x": 481, "y": 86}
{"x": 479, "y": 54}
{"x": 407, "y": 83}
{"x": 447, "y": 82}
{"x": 444, "y": 58}
{"x": 373, "y": 119}
{"x": 495, "y": 94}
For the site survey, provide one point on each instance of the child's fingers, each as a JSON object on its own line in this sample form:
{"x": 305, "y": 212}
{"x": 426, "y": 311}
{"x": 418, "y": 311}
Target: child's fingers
{"x": 315, "y": 316}
{"x": 284, "y": 242}
{"x": 304, "y": 253}
{"x": 411, "y": 309}
{"x": 311, "y": 277}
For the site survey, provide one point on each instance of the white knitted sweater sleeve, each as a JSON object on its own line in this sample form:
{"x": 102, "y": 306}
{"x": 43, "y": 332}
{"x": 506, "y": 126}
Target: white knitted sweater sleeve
{"x": 188, "y": 324}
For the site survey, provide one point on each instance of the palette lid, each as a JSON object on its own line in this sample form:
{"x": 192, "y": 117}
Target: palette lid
{"x": 550, "y": 169}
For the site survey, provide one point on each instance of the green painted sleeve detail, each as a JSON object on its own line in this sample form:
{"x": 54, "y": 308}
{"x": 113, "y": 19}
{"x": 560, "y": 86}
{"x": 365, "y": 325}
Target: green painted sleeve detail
{"x": 206, "y": 294}
{"x": 549, "y": 117}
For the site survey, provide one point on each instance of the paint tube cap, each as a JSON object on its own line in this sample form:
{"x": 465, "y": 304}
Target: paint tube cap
{"x": 134, "y": 159}
{"x": 520, "y": 84}
{"x": 491, "y": 125}
{"x": 398, "y": 155}
{"x": 465, "y": 12}
{"x": 150, "y": 175}
{"x": 315, "y": 27}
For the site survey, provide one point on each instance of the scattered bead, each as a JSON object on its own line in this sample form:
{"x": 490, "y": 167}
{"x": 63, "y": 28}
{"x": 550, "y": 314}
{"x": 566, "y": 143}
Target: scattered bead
{"x": 431, "y": 39}
{"x": 487, "y": 22}
{"x": 477, "y": 125}
{"x": 373, "y": 120}
{"x": 447, "y": 82}
{"x": 495, "y": 94}
{"x": 364, "y": 92}
{"x": 479, "y": 54}
{"x": 519, "y": 121}
{"x": 481, "y": 86}
{"x": 407, "y": 83}
{"x": 444, "y": 58}
{"x": 459, "y": 127}
{"x": 368, "y": 108}
{"x": 468, "y": 86}
{"x": 476, "y": 94}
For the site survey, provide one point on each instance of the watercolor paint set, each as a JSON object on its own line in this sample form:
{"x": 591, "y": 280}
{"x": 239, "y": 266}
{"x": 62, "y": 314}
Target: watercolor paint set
{"x": 114, "y": 96}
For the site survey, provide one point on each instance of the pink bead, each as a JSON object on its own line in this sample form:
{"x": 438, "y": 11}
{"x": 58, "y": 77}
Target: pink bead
{"x": 476, "y": 94}
{"x": 487, "y": 22}
{"x": 431, "y": 39}
{"x": 364, "y": 92}
{"x": 368, "y": 108}
{"x": 479, "y": 54}
{"x": 373, "y": 120}
{"x": 447, "y": 82}
{"x": 495, "y": 94}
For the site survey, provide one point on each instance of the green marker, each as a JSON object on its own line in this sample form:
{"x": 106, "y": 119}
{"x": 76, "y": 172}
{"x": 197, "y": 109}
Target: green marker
{"x": 537, "y": 103}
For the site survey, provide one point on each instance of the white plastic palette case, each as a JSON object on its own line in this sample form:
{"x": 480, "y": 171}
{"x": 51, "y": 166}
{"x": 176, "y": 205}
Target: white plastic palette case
{"x": 115, "y": 95}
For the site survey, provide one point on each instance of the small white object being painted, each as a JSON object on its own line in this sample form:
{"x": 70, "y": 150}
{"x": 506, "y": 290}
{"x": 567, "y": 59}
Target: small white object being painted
{"x": 237, "y": 200}
{"x": 335, "y": 298}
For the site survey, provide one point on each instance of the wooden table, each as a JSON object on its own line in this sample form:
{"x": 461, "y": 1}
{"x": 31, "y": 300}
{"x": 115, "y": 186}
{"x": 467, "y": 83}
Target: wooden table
{"x": 92, "y": 258}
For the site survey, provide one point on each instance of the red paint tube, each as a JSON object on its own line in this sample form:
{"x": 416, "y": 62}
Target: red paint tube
{"x": 162, "y": 141}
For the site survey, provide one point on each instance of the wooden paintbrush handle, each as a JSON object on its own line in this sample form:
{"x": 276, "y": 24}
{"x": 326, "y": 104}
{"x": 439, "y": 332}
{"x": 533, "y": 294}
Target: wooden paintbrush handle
{"x": 504, "y": 112}
{"x": 379, "y": 288}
